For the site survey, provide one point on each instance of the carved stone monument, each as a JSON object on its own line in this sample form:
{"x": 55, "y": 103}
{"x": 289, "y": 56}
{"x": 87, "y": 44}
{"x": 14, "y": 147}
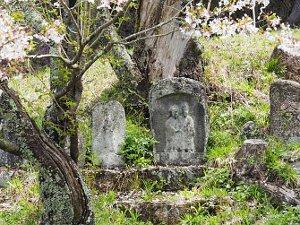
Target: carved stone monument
{"x": 179, "y": 121}
{"x": 109, "y": 133}
{"x": 285, "y": 110}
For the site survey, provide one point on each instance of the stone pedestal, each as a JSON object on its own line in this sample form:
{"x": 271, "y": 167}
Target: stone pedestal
{"x": 109, "y": 132}
{"x": 172, "y": 178}
{"x": 179, "y": 121}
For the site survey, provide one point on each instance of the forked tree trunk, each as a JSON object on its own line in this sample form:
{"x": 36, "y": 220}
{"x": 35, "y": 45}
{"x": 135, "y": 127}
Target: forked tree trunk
{"x": 64, "y": 195}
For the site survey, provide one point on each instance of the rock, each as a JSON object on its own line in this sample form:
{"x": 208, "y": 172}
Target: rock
{"x": 289, "y": 57}
{"x": 250, "y": 159}
{"x": 108, "y": 132}
{"x": 9, "y": 160}
{"x": 163, "y": 178}
{"x": 296, "y": 166}
{"x": 285, "y": 110}
{"x": 179, "y": 121}
{"x": 250, "y": 167}
{"x": 249, "y": 130}
{"x": 5, "y": 176}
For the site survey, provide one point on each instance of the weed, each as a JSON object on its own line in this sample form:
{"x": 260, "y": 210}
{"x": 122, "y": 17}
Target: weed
{"x": 137, "y": 149}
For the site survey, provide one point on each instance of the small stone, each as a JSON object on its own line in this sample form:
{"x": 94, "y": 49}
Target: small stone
{"x": 5, "y": 176}
{"x": 109, "y": 133}
{"x": 249, "y": 130}
{"x": 9, "y": 160}
{"x": 296, "y": 166}
{"x": 285, "y": 110}
{"x": 250, "y": 159}
{"x": 179, "y": 121}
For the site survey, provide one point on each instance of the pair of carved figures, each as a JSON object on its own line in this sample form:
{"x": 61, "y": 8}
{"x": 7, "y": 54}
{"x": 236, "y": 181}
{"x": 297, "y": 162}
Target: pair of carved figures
{"x": 180, "y": 133}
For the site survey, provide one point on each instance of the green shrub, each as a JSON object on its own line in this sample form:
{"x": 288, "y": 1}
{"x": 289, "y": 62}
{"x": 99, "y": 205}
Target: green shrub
{"x": 138, "y": 146}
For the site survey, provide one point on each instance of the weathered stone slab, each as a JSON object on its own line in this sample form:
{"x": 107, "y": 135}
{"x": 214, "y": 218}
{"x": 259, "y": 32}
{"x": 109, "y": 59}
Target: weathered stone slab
{"x": 179, "y": 121}
{"x": 285, "y": 110}
{"x": 169, "y": 208}
{"x": 108, "y": 132}
{"x": 288, "y": 55}
{"x": 163, "y": 178}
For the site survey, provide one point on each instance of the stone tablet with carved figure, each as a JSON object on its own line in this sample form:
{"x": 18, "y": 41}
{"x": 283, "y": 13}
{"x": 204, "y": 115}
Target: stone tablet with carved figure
{"x": 179, "y": 121}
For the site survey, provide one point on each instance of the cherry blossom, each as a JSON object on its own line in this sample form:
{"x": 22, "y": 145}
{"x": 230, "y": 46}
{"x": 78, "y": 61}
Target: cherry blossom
{"x": 202, "y": 21}
{"x": 14, "y": 42}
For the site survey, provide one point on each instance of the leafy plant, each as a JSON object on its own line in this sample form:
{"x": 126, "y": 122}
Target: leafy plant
{"x": 138, "y": 146}
{"x": 274, "y": 65}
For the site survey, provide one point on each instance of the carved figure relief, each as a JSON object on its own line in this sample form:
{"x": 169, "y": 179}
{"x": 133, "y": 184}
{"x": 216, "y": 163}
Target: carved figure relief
{"x": 180, "y": 133}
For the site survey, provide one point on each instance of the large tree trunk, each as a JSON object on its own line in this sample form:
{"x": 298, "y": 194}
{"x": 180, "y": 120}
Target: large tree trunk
{"x": 64, "y": 194}
{"x": 294, "y": 17}
{"x": 173, "y": 54}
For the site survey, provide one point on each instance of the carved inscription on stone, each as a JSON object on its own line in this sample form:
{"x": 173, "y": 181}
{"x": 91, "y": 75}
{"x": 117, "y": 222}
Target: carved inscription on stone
{"x": 109, "y": 133}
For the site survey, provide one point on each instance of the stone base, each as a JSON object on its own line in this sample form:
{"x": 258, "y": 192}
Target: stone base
{"x": 167, "y": 208}
{"x": 160, "y": 178}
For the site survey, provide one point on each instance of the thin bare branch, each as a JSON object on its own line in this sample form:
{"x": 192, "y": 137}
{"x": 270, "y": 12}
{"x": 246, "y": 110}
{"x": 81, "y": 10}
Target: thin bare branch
{"x": 107, "y": 24}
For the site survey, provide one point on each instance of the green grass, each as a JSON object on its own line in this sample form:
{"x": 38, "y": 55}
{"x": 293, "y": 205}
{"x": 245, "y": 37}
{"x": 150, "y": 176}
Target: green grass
{"x": 105, "y": 214}
{"x": 19, "y": 201}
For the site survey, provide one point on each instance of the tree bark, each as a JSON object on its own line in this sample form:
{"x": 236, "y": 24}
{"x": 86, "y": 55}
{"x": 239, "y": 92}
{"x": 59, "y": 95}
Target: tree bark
{"x": 60, "y": 121}
{"x": 171, "y": 55}
{"x": 64, "y": 194}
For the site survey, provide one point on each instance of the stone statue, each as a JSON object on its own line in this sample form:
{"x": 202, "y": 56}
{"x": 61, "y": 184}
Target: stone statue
{"x": 180, "y": 133}
{"x": 179, "y": 121}
{"x": 188, "y": 132}
{"x": 173, "y": 133}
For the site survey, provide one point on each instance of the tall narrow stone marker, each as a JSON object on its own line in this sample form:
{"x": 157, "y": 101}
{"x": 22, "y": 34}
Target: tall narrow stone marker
{"x": 285, "y": 110}
{"x": 179, "y": 121}
{"x": 109, "y": 133}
